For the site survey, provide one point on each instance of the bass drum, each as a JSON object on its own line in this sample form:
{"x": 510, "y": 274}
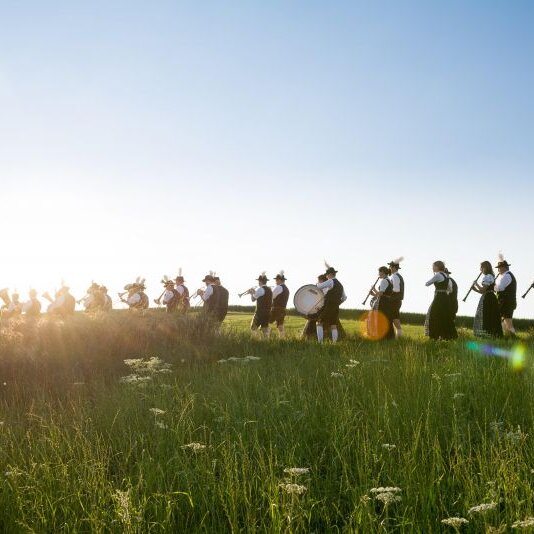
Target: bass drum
{"x": 308, "y": 299}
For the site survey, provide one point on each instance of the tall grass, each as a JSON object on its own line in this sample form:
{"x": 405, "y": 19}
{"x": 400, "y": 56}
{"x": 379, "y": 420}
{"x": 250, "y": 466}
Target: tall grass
{"x": 83, "y": 451}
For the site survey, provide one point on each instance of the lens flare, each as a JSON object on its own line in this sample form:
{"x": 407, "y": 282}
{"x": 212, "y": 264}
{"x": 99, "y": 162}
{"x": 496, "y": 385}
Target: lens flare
{"x": 374, "y": 325}
{"x": 516, "y": 356}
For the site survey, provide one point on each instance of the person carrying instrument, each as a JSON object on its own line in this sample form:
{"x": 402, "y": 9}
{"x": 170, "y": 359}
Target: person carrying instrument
{"x": 506, "y": 288}
{"x": 397, "y": 295}
{"x": 263, "y": 297}
{"x": 439, "y": 322}
{"x": 170, "y": 296}
{"x": 279, "y": 306}
{"x": 209, "y": 297}
{"x": 64, "y": 303}
{"x": 94, "y": 300}
{"x": 487, "y": 321}
{"x": 222, "y": 299}
{"x": 334, "y": 296}
{"x": 183, "y": 304}
{"x": 381, "y": 307}
{"x": 136, "y": 297}
{"x": 32, "y": 308}
{"x": 13, "y": 307}
{"x": 106, "y": 299}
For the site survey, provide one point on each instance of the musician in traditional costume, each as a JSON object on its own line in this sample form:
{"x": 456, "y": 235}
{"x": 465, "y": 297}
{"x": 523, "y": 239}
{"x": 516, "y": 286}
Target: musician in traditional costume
{"x": 263, "y": 297}
{"x": 136, "y": 297}
{"x": 397, "y": 295}
{"x": 183, "y": 304}
{"x": 94, "y": 300}
{"x": 310, "y": 328}
{"x": 487, "y": 321}
{"x": 380, "y": 323}
{"x": 64, "y": 303}
{"x": 12, "y": 307}
{"x": 32, "y": 308}
{"x": 439, "y": 323}
{"x": 334, "y": 296}
{"x": 453, "y": 295}
{"x": 223, "y": 297}
{"x": 170, "y": 295}
{"x": 279, "y": 306}
{"x": 107, "y": 302}
{"x": 506, "y": 288}
{"x": 209, "y": 297}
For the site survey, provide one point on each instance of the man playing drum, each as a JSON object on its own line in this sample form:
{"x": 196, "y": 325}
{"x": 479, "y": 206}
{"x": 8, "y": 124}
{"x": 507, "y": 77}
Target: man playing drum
{"x": 334, "y": 296}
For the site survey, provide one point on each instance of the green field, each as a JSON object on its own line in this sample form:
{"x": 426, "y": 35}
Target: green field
{"x": 198, "y": 432}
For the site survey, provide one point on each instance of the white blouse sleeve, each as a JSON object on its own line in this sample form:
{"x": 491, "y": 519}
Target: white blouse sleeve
{"x": 488, "y": 280}
{"x": 438, "y": 277}
{"x": 383, "y": 285}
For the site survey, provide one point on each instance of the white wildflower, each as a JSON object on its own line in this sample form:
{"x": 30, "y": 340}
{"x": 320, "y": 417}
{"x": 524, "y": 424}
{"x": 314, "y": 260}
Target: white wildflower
{"x": 297, "y": 471}
{"x": 387, "y": 489}
{"x": 452, "y": 375}
{"x": 525, "y": 523}
{"x": 195, "y": 447}
{"x": 222, "y": 361}
{"x": 252, "y": 358}
{"x": 151, "y": 365}
{"x": 516, "y": 436}
{"x": 482, "y": 508}
{"x": 352, "y": 364}
{"x": 388, "y": 498}
{"x": 135, "y": 379}
{"x": 161, "y": 425}
{"x": 333, "y": 374}
{"x": 295, "y": 489}
{"x": 389, "y": 446}
{"x": 458, "y": 396}
{"x": 455, "y": 522}
{"x": 157, "y": 411}
{"x": 124, "y": 507}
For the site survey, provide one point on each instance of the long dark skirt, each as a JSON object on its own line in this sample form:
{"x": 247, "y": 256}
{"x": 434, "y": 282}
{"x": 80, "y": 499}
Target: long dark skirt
{"x": 488, "y": 317}
{"x": 439, "y": 322}
{"x": 382, "y": 310}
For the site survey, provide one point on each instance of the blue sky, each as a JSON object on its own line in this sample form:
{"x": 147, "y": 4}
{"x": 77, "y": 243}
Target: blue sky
{"x": 247, "y": 136}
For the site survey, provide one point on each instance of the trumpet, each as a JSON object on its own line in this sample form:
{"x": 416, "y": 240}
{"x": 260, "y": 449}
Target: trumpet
{"x": 528, "y": 291}
{"x": 370, "y": 291}
{"x": 79, "y": 301}
{"x": 158, "y": 300}
{"x": 246, "y": 292}
{"x": 472, "y": 285}
{"x": 121, "y": 295}
{"x": 46, "y": 295}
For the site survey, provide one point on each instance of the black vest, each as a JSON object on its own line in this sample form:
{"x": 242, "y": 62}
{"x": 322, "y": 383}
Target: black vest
{"x": 509, "y": 293}
{"x": 265, "y": 302}
{"x": 400, "y": 294}
{"x": 334, "y": 295}
{"x": 389, "y": 290}
{"x": 280, "y": 301}
{"x": 442, "y": 286}
{"x": 211, "y": 304}
{"x": 222, "y": 300}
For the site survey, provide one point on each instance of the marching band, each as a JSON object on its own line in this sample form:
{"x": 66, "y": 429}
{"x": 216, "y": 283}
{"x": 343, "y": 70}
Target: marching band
{"x": 319, "y": 303}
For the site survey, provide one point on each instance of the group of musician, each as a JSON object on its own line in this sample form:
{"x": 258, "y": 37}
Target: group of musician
{"x": 493, "y": 318}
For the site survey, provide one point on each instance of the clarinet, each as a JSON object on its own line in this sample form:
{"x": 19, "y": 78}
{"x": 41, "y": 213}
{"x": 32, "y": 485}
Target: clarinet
{"x": 369, "y": 294}
{"x": 471, "y": 288}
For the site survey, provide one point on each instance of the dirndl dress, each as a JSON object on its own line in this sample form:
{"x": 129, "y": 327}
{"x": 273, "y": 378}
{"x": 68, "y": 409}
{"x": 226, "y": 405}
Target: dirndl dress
{"x": 439, "y": 323}
{"x": 487, "y": 321}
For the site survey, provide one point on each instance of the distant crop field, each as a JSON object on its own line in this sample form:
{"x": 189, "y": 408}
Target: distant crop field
{"x": 154, "y": 423}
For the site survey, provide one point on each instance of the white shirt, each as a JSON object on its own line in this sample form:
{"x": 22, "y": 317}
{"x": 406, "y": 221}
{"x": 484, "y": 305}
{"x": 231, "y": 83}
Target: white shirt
{"x": 277, "y": 290}
{"x": 180, "y": 289}
{"x": 440, "y": 277}
{"x": 383, "y": 285}
{"x": 395, "y": 280}
{"x": 134, "y": 299}
{"x": 168, "y": 296}
{"x": 328, "y": 285}
{"x": 487, "y": 280}
{"x": 208, "y": 292}
{"x": 57, "y": 303}
{"x": 504, "y": 281}
{"x": 260, "y": 291}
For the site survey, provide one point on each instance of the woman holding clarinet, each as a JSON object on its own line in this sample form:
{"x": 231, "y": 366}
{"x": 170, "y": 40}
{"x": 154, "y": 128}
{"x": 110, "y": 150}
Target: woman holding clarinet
{"x": 488, "y": 317}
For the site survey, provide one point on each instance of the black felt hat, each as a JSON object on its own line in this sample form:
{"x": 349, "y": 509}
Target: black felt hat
{"x": 262, "y": 278}
{"x": 280, "y": 276}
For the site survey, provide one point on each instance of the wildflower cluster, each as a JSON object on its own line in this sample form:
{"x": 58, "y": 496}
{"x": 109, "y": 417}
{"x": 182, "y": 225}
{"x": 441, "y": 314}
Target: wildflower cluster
{"x": 352, "y": 364}
{"x": 297, "y": 471}
{"x": 482, "y": 508}
{"x": 294, "y": 489}
{"x": 525, "y": 523}
{"x": 455, "y": 522}
{"x": 195, "y": 447}
{"x": 386, "y": 495}
{"x": 144, "y": 369}
{"x": 234, "y": 359}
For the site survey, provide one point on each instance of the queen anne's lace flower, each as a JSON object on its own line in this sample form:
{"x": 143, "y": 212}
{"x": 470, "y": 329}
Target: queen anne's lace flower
{"x": 455, "y": 522}
{"x": 195, "y": 447}
{"x": 481, "y": 508}
{"x": 525, "y": 523}
{"x": 297, "y": 471}
{"x": 294, "y": 489}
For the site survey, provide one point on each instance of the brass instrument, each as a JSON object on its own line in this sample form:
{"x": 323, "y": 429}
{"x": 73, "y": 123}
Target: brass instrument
{"x": 158, "y": 300}
{"x": 248, "y": 291}
{"x": 46, "y": 295}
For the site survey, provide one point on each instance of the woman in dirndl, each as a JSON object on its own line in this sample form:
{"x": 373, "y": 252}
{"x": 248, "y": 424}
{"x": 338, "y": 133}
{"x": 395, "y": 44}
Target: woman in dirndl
{"x": 488, "y": 316}
{"x": 380, "y": 322}
{"x": 439, "y": 323}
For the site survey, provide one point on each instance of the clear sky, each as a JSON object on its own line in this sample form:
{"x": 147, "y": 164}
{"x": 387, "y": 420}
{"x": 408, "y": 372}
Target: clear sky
{"x": 137, "y": 137}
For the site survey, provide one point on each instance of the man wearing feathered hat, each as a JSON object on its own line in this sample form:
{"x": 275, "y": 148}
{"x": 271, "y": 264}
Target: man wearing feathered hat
{"x": 208, "y": 296}
{"x": 183, "y": 293}
{"x": 136, "y": 298}
{"x": 397, "y": 295}
{"x": 64, "y": 304}
{"x": 170, "y": 295}
{"x": 222, "y": 299}
{"x": 32, "y": 308}
{"x": 108, "y": 303}
{"x": 279, "y": 306}
{"x": 263, "y": 297}
{"x": 334, "y": 296}
{"x": 506, "y": 289}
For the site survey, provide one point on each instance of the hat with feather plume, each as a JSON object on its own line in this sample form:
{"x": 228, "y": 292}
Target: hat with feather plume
{"x": 396, "y": 262}
{"x": 180, "y": 279}
{"x": 502, "y": 262}
{"x": 281, "y": 276}
{"x": 329, "y": 268}
{"x": 262, "y": 278}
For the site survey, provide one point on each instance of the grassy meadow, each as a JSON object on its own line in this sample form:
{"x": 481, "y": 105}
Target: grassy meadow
{"x": 151, "y": 423}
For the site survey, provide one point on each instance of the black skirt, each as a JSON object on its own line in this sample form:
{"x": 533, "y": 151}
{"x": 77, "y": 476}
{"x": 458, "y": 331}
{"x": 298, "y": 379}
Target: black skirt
{"x": 439, "y": 322}
{"x": 488, "y": 317}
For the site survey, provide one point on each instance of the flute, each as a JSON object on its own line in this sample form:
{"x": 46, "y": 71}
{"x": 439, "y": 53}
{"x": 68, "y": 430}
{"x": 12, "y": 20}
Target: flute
{"x": 528, "y": 291}
{"x": 370, "y": 291}
{"x": 471, "y": 288}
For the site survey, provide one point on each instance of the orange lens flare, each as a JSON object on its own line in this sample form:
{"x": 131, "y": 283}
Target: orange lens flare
{"x": 374, "y": 325}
